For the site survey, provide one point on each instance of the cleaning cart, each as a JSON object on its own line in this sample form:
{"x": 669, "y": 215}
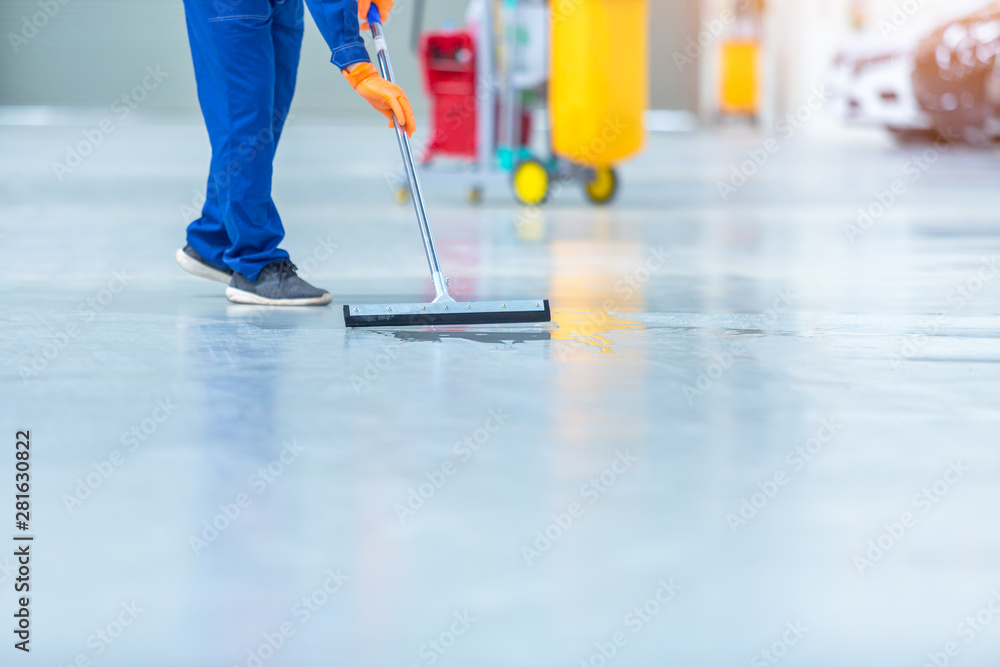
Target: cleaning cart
{"x": 585, "y": 60}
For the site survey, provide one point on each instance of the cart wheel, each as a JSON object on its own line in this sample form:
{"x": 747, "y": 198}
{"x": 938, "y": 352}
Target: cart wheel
{"x": 602, "y": 188}
{"x": 475, "y": 195}
{"x": 401, "y": 195}
{"x": 531, "y": 182}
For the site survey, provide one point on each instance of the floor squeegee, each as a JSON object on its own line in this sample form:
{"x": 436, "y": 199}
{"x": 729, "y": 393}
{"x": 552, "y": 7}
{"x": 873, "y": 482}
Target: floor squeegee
{"x": 443, "y": 309}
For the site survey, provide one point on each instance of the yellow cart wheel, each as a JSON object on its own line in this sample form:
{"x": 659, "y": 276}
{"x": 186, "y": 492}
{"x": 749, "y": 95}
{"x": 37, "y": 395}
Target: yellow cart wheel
{"x": 531, "y": 182}
{"x": 401, "y": 195}
{"x": 603, "y": 187}
{"x": 475, "y": 195}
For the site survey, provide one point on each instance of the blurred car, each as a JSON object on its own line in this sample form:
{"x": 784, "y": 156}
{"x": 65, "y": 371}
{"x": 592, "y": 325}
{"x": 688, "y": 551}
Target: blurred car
{"x": 957, "y": 76}
{"x": 872, "y": 84}
{"x": 876, "y": 79}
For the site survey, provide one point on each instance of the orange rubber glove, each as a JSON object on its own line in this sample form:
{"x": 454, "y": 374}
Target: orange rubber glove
{"x": 386, "y": 97}
{"x": 384, "y": 7}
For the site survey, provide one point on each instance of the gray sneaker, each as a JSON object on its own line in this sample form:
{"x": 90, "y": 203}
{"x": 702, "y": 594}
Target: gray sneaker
{"x": 189, "y": 260}
{"x": 277, "y": 285}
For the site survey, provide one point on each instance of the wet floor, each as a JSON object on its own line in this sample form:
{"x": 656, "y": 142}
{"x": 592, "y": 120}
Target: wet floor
{"x": 758, "y": 430}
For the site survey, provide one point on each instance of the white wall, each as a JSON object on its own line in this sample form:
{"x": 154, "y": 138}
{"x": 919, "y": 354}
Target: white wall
{"x": 93, "y": 51}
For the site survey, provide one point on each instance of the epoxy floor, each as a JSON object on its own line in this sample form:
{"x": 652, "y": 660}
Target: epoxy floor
{"x": 748, "y": 437}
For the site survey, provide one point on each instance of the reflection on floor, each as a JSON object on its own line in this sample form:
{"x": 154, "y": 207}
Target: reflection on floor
{"x": 756, "y": 431}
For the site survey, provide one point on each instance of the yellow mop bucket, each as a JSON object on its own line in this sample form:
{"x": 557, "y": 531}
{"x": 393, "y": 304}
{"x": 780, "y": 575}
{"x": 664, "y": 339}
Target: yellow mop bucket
{"x": 739, "y": 85}
{"x": 598, "y": 79}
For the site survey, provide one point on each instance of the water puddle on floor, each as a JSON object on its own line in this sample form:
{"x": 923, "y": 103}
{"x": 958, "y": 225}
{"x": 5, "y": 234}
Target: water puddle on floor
{"x": 593, "y": 287}
{"x": 590, "y": 280}
{"x": 590, "y": 327}
{"x": 506, "y": 338}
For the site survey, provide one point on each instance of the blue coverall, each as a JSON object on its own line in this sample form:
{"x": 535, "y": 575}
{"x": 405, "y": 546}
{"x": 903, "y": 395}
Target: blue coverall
{"x": 246, "y": 55}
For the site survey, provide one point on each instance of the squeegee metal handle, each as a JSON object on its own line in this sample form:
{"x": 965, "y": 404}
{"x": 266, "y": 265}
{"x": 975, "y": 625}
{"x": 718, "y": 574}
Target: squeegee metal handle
{"x": 385, "y": 67}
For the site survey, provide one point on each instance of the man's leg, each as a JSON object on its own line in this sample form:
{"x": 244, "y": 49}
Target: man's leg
{"x": 287, "y": 26}
{"x": 233, "y": 52}
{"x": 207, "y": 235}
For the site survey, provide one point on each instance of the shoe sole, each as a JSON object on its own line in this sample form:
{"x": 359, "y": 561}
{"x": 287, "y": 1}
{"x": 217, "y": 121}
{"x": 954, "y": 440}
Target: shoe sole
{"x": 240, "y": 296}
{"x": 196, "y": 268}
